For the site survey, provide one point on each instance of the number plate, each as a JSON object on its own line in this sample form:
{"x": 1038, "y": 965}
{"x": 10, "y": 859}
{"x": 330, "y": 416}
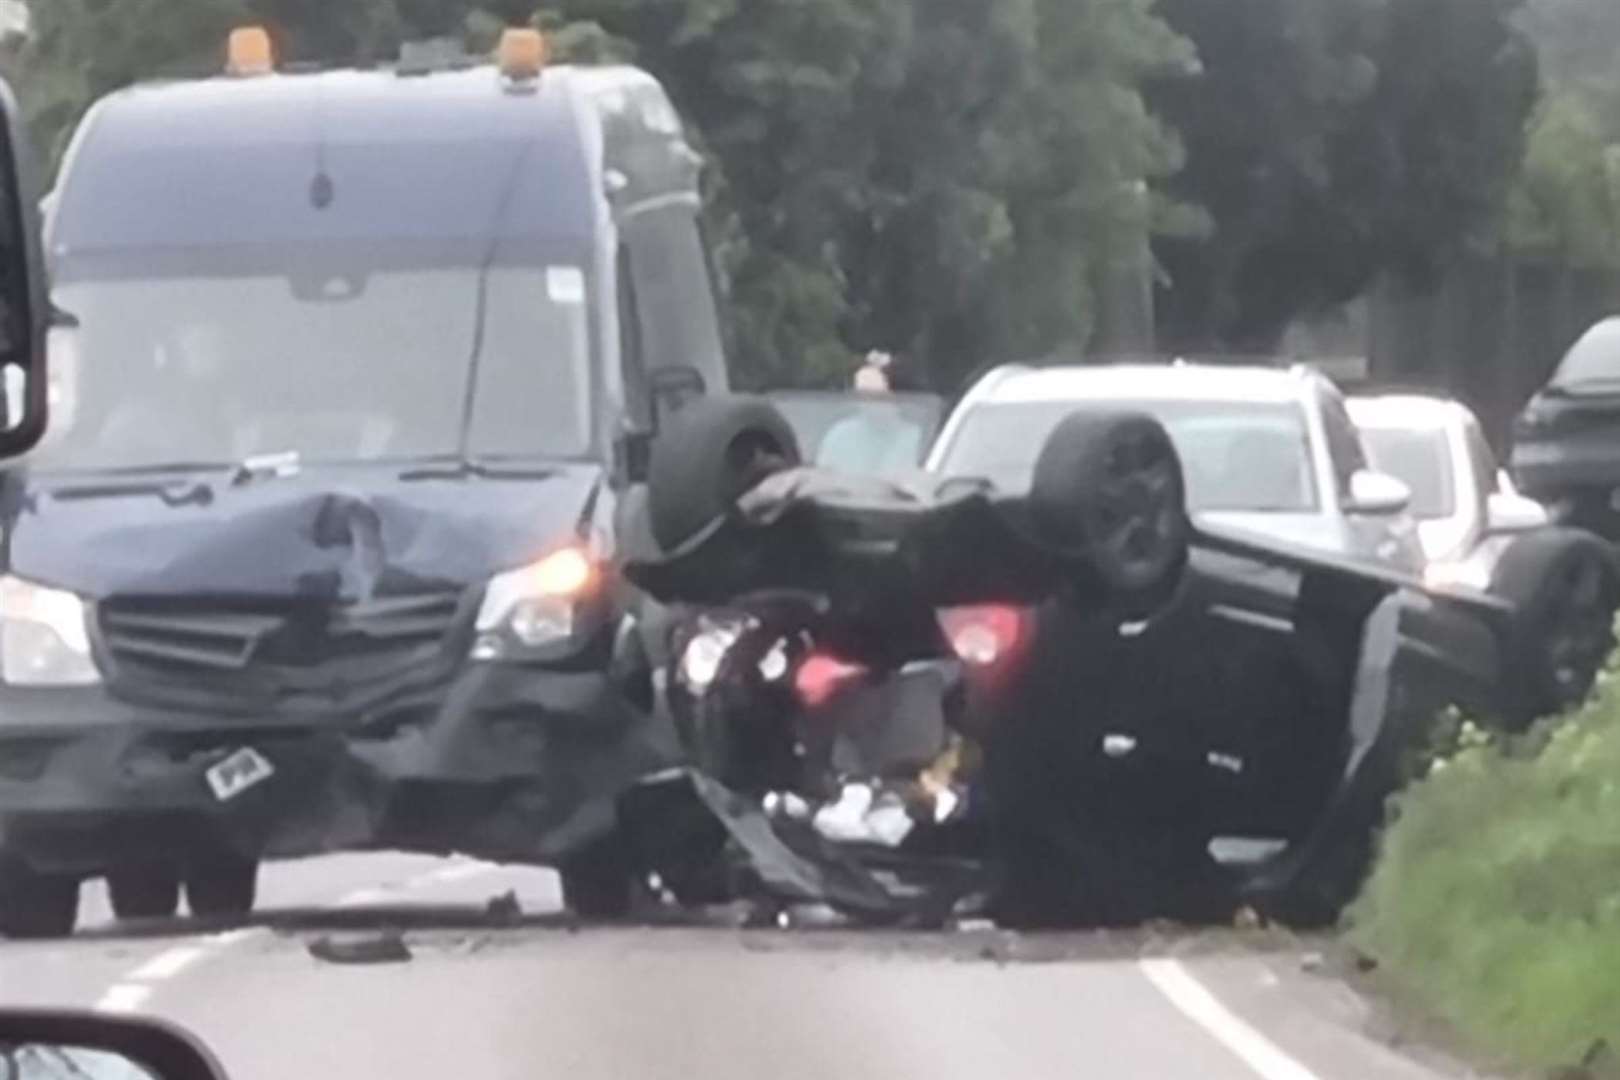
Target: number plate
{"x": 244, "y": 769}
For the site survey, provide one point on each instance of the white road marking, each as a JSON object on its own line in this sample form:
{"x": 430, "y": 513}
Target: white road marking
{"x": 167, "y": 964}
{"x": 132, "y": 991}
{"x": 123, "y": 998}
{"x": 1195, "y": 1002}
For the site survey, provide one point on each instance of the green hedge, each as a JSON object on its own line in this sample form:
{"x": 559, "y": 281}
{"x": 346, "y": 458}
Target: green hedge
{"x": 1496, "y": 897}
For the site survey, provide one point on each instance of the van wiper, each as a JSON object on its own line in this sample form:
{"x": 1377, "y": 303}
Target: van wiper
{"x": 179, "y": 492}
{"x": 465, "y": 468}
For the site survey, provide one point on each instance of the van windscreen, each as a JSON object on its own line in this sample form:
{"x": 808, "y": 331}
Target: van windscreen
{"x": 333, "y": 362}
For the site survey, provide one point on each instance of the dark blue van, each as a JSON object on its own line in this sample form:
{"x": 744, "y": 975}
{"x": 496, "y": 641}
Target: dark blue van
{"x": 352, "y": 380}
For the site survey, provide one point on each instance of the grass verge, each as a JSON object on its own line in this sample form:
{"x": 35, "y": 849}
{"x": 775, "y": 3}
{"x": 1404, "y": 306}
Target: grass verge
{"x": 1495, "y": 901}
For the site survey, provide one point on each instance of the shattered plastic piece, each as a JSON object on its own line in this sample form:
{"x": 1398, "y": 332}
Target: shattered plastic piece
{"x": 1118, "y": 746}
{"x": 1313, "y": 962}
{"x": 1230, "y": 762}
{"x": 946, "y": 803}
{"x": 845, "y": 820}
{"x": 384, "y": 947}
{"x": 889, "y": 824}
{"x": 1247, "y": 918}
{"x": 504, "y": 910}
{"x": 788, "y": 805}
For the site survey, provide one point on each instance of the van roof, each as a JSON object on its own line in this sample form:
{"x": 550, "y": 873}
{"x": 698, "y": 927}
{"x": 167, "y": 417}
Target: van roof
{"x": 406, "y": 156}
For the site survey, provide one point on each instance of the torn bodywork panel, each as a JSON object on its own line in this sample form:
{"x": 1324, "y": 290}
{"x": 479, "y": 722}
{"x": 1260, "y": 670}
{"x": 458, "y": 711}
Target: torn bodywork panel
{"x": 1268, "y": 694}
{"x": 326, "y": 622}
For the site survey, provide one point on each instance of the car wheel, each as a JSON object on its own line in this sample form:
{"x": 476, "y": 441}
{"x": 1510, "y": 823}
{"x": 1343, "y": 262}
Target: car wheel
{"x": 35, "y": 905}
{"x": 712, "y": 451}
{"x": 144, "y": 892}
{"x": 1565, "y": 588}
{"x": 1108, "y": 489}
{"x": 222, "y": 886}
{"x": 598, "y": 882}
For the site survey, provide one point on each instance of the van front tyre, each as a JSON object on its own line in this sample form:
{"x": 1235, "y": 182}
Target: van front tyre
{"x": 222, "y": 886}
{"x": 35, "y": 905}
{"x": 144, "y": 892}
{"x": 598, "y": 882}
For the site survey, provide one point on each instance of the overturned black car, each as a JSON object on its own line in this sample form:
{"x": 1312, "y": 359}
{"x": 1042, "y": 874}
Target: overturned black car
{"x": 1140, "y": 716}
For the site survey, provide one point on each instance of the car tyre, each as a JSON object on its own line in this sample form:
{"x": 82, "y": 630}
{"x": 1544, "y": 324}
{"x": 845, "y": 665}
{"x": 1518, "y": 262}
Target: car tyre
{"x": 1565, "y": 588}
{"x": 34, "y": 905}
{"x": 222, "y": 886}
{"x": 144, "y": 892}
{"x": 711, "y": 452}
{"x": 598, "y": 882}
{"x": 1109, "y": 490}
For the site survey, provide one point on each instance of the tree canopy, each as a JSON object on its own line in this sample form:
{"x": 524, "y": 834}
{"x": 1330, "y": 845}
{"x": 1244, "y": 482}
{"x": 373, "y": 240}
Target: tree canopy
{"x": 963, "y": 180}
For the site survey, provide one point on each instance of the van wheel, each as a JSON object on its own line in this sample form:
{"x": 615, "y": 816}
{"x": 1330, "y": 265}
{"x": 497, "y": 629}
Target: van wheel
{"x": 713, "y": 451}
{"x": 598, "y": 882}
{"x": 1566, "y": 588}
{"x": 144, "y": 892}
{"x": 1109, "y": 491}
{"x": 222, "y": 886}
{"x": 35, "y": 905}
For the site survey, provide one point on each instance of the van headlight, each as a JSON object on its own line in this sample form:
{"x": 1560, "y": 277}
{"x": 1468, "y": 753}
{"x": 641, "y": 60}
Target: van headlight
{"x": 44, "y": 637}
{"x": 535, "y": 608}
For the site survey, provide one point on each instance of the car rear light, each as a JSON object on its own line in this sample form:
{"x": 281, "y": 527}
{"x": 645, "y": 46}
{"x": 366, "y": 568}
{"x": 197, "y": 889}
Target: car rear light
{"x": 820, "y": 677}
{"x": 985, "y": 635}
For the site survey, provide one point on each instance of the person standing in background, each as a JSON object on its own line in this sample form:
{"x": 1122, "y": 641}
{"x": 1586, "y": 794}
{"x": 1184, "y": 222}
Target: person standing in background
{"x": 878, "y": 438}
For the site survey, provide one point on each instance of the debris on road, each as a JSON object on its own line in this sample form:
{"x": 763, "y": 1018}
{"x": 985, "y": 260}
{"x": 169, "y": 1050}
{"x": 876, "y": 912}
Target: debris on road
{"x": 504, "y": 910}
{"x": 383, "y": 947}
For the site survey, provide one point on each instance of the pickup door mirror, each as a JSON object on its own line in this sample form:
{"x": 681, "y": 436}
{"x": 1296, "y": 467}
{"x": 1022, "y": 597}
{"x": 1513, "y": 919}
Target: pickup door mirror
{"x": 1376, "y": 494}
{"x": 24, "y": 309}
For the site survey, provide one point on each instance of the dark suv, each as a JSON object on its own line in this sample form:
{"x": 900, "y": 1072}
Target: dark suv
{"x": 1566, "y": 442}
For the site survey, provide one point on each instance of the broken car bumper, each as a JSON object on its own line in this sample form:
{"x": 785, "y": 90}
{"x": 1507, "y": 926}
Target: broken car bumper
{"x": 518, "y": 762}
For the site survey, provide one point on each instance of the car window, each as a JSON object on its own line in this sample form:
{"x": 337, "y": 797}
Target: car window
{"x": 867, "y": 434}
{"x": 1421, "y": 460}
{"x": 1236, "y": 456}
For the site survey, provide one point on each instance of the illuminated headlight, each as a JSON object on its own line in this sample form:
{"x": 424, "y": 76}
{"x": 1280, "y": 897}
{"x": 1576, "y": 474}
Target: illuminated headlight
{"x": 704, "y": 654}
{"x": 44, "y": 640}
{"x": 535, "y": 606}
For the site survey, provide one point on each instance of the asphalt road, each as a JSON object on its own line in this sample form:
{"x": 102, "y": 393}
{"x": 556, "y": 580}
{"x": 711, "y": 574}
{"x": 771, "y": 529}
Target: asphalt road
{"x": 542, "y": 998}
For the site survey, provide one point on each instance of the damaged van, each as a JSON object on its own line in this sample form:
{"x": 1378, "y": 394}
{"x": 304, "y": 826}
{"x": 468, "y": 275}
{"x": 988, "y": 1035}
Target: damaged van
{"x": 353, "y": 379}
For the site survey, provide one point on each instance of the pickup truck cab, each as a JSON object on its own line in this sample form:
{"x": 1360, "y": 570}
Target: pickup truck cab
{"x": 352, "y": 382}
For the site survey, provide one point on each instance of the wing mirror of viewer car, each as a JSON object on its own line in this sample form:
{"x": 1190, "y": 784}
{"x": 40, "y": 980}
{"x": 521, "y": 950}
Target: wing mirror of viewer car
{"x": 41, "y": 1044}
{"x": 24, "y": 310}
{"x": 1510, "y": 512}
{"x": 1377, "y": 494}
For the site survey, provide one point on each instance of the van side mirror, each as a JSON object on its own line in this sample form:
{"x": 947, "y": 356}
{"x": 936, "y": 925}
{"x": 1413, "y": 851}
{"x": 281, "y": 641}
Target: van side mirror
{"x": 24, "y": 309}
{"x": 668, "y": 388}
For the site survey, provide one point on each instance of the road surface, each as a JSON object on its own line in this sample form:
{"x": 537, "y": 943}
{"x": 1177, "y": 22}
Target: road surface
{"x": 542, "y": 998}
